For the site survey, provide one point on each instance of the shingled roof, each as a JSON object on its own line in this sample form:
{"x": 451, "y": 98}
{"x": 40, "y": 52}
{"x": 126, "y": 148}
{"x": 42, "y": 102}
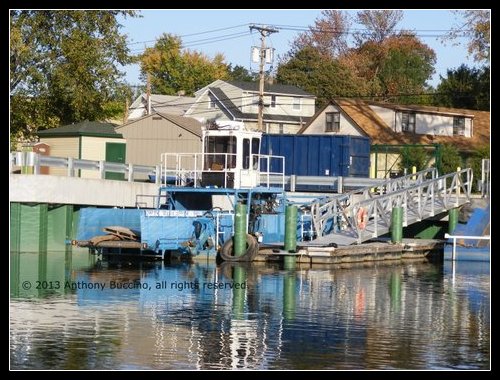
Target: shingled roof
{"x": 361, "y": 114}
{"x": 84, "y": 128}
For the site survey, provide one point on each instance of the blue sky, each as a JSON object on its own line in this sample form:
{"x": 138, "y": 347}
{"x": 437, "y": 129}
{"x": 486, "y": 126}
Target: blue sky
{"x": 238, "y": 40}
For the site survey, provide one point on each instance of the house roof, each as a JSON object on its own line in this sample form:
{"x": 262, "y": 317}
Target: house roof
{"x": 282, "y": 89}
{"x": 174, "y": 105}
{"x": 423, "y": 109}
{"x": 187, "y": 123}
{"x": 238, "y": 115}
{"x": 84, "y": 128}
{"x": 361, "y": 114}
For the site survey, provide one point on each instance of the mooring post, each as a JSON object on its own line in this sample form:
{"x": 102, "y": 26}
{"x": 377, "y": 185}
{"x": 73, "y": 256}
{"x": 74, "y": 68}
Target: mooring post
{"x": 290, "y": 235}
{"x": 289, "y": 293}
{"x": 397, "y": 225}
{"x": 452, "y": 220}
{"x": 240, "y": 229}
{"x": 413, "y": 171}
{"x": 239, "y": 288}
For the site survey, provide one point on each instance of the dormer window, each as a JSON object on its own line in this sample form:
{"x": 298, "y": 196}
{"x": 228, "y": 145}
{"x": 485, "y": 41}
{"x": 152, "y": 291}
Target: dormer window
{"x": 408, "y": 122}
{"x": 459, "y": 126}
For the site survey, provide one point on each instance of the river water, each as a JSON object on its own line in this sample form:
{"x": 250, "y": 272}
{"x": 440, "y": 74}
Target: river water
{"x": 69, "y": 310}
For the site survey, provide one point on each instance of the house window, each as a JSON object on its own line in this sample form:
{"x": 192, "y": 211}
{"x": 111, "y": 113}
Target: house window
{"x": 332, "y": 122}
{"x": 211, "y": 102}
{"x": 296, "y": 104}
{"x": 458, "y": 126}
{"x": 273, "y": 101}
{"x": 408, "y": 121}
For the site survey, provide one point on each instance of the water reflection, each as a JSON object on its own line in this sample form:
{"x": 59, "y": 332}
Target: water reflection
{"x": 203, "y": 316}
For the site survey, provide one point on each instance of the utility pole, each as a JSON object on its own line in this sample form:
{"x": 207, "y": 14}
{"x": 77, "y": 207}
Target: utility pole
{"x": 148, "y": 94}
{"x": 264, "y": 32}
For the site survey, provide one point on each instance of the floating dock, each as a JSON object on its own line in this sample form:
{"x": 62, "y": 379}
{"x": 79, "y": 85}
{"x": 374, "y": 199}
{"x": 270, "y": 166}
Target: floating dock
{"x": 366, "y": 252}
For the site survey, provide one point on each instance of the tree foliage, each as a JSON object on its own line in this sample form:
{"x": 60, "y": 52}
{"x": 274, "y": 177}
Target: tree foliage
{"x": 379, "y": 24}
{"x": 465, "y": 87}
{"x": 173, "y": 69}
{"x": 328, "y": 34}
{"x": 450, "y": 159}
{"x": 64, "y": 67}
{"x": 382, "y": 63}
{"x": 326, "y": 78}
{"x": 240, "y": 73}
{"x": 413, "y": 156}
{"x": 476, "y": 29}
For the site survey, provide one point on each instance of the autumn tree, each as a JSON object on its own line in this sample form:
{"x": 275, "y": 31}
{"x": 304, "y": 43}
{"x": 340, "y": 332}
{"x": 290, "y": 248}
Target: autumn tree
{"x": 382, "y": 63}
{"x": 379, "y": 24}
{"x": 325, "y": 77}
{"x": 174, "y": 69}
{"x": 476, "y": 29}
{"x": 465, "y": 87}
{"x": 64, "y": 67}
{"x": 329, "y": 34}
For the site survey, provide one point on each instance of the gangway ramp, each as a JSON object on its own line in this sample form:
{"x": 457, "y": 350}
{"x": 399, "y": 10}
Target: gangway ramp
{"x": 336, "y": 221}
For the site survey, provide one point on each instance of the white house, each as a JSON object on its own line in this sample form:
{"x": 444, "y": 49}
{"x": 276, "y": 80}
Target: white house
{"x": 286, "y": 108}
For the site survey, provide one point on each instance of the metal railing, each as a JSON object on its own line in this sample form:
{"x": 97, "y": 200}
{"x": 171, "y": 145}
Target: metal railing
{"x": 35, "y": 161}
{"x": 420, "y": 200}
{"x": 464, "y": 237}
{"x": 334, "y": 207}
{"x": 183, "y": 169}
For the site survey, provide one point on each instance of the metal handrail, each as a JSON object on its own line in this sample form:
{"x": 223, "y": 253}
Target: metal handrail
{"x": 36, "y": 160}
{"x": 419, "y": 201}
{"x": 465, "y": 237}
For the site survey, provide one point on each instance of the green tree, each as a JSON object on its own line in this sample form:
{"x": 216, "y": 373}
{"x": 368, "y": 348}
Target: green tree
{"x": 325, "y": 77}
{"x": 413, "y": 156}
{"x": 173, "y": 70}
{"x": 450, "y": 159}
{"x": 240, "y": 73}
{"x": 64, "y": 67}
{"x": 465, "y": 87}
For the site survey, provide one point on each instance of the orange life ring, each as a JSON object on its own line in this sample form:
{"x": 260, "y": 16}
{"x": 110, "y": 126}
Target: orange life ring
{"x": 362, "y": 218}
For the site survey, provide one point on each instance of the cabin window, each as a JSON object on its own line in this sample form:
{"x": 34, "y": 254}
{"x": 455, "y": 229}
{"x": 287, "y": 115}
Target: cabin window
{"x": 332, "y": 122}
{"x": 408, "y": 122}
{"x": 255, "y": 152}
{"x": 296, "y": 104}
{"x": 246, "y": 153}
{"x": 273, "y": 101}
{"x": 220, "y": 152}
{"x": 458, "y": 126}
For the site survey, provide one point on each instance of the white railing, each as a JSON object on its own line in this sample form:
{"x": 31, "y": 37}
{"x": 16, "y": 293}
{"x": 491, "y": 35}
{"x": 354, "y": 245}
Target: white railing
{"x": 32, "y": 162}
{"x": 335, "y": 207}
{"x": 183, "y": 169}
{"x": 419, "y": 201}
{"x": 464, "y": 237}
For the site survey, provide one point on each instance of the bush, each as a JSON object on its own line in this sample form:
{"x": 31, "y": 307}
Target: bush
{"x": 450, "y": 159}
{"x": 413, "y": 156}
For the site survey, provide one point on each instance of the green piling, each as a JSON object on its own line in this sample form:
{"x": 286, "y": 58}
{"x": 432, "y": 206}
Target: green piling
{"x": 452, "y": 220}
{"x": 397, "y": 225}
{"x": 43, "y": 212}
{"x": 15, "y": 226}
{"x": 395, "y": 290}
{"x": 290, "y": 236}
{"x": 239, "y": 288}
{"x": 289, "y": 285}
{"x": 240, "y": 229}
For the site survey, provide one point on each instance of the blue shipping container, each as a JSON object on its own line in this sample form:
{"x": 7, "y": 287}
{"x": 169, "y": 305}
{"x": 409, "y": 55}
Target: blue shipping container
{"x": 320, "y": 155}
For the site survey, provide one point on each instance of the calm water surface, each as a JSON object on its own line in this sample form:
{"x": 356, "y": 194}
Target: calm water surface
{"x": 71, "y": 311}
